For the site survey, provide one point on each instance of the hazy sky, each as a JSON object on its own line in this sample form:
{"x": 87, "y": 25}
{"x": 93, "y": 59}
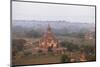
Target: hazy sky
{"x": 41, "y": 11}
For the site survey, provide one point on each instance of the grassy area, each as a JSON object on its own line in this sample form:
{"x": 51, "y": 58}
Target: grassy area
{"x": 42, "y": 59}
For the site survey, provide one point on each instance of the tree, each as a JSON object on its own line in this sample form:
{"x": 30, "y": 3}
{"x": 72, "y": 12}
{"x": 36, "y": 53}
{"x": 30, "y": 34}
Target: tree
{"x": 33, "y": 33}
{"x": 70, "y": 46}
{"x": 18, "y": 44}
{"x": 64, "y": 58}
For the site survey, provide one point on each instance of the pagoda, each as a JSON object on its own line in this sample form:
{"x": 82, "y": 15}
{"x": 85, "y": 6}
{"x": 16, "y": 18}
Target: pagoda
{"x": 48, "y": 40}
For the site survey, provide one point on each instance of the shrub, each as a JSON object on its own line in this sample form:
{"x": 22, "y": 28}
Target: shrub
{"x": 64, "y": 58}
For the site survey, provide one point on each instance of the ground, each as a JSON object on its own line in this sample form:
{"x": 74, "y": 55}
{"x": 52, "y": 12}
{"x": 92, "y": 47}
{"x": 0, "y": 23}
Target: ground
{"x": 23, "y": 59}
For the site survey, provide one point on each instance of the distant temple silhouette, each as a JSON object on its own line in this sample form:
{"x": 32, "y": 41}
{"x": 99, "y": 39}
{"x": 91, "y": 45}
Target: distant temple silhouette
{"x": 88, "y": 36}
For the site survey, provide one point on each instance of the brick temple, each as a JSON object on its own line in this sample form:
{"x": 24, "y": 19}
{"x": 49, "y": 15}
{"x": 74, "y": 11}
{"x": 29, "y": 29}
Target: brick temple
{"x": 49, "y": 42}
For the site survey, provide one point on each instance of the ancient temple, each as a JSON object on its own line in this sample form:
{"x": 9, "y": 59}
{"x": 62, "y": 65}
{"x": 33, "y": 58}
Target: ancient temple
{"x": 49, "y": 42}
{"x": 88, "y": 36}
{"x": 48, "y": 39}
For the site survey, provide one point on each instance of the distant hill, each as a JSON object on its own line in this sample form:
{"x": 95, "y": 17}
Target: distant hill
{"x": 58, "y": 27}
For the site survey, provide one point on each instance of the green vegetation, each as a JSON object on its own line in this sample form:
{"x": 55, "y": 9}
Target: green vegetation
{"x": 64, "y": 58}
{"x": 23, "y": 55}
{"x": 70, "y": 46}
{"x": 17, "y": 46}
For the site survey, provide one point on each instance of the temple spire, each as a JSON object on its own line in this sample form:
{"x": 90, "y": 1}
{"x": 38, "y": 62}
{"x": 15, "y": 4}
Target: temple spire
{"x": 49, "y": 27}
